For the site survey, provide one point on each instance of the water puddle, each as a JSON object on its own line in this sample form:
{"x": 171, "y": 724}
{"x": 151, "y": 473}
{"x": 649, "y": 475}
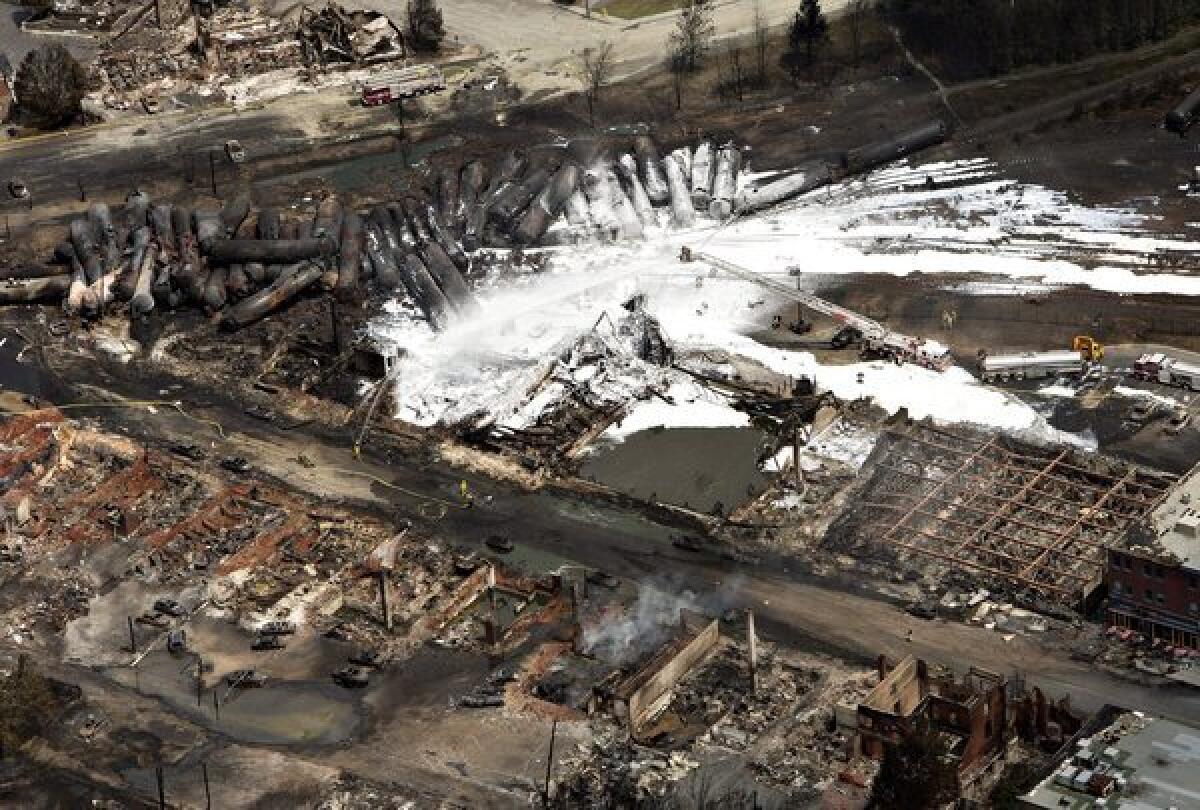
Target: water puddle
{"x": 699, "y": 468}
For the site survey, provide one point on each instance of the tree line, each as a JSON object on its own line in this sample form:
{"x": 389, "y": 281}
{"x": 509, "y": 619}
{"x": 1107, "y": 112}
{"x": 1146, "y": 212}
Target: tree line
{"x": 975, "y": 38}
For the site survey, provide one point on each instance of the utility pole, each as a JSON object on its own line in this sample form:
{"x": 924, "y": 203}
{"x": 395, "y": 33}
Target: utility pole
{"x": 384, "y": 605}
{"x": 550, "y": 763}
{"x": 207, "y": 794}
{"x": 796, "y": 458}
{"x": 162, "y": 792}
{"x": 752, "y": 643}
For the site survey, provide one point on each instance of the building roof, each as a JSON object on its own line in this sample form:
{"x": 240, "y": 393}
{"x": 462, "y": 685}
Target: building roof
{"x": 1155, "y": 764}
{"x": 1176, "y": 520}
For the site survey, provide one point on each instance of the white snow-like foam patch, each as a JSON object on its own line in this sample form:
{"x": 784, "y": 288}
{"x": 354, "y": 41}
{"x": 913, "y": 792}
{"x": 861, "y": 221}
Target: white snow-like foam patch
{"x": 1016, "y": 238}
{"x": 1141, "y": 393}
{"x": 1058, "y": 391}
{"x": 689, "y": 406}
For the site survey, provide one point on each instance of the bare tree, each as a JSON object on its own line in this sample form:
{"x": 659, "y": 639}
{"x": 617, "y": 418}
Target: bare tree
{"x": 50, "y": 85}
{"x": 597, "y": 68}
{"x": 735, "y": 69}
{"x": 762, "y": 43}
{"x": 689, "y": 42}
{"x": 856, "y": 19}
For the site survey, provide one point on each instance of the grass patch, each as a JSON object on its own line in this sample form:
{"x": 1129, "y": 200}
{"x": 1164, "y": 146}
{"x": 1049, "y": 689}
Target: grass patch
{"x": 632, "y": 9}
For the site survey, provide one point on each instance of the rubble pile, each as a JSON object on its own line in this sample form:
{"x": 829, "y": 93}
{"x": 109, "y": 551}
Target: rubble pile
{"x": 782, "y": 726}
{"x": 722, "y": 697}
{"x": 246, "y": 42}
{"x": 589, "y": 385}
{"x": 813, "y": 747}
{"x": 334, "y": 35}
{"x": 614, "y": 771}
{"x": 150, "y": 59}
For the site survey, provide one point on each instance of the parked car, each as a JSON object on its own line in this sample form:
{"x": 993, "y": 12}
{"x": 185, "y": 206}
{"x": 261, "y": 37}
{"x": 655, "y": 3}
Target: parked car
{"x": 236, "y": 464}
{"x": 738, "y": 556}
{"x": 245, "y": 678}
{"x": 352, "y": 677}
{"x": 1179, "y": 420}
{"x": 367, "y": 657}
{"x": 603, "y": 579}
{"x": 188, "y": 450}
{"x": 18, "y": 190}
{"x": 235, "y": 151}
{"x": 923, "y": 610}
{"x": 267, "y": 642}
{"x": 466, "y": 564}
{"x": 278, "y": 627}
{"x": 151, "y": 105}
{"x": 687, "y": 542}
{"x": 169, "y": 607}
{"x": 497, "y": 542}
{"x": 176, "y": 641}
{"x": 1141, "y": 412}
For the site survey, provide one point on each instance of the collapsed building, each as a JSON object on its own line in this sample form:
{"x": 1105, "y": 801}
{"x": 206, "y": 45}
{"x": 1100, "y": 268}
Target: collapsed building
{"x": 162, "y": 54}
{"x": 645, "y": 693}
{"x": 1038, "y": 519}
{"x": 977, "y": 717}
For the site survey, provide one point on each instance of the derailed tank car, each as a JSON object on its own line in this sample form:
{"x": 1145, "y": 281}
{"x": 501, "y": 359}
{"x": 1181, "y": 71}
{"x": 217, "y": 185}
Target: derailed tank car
{"x": 868, "y": 157}
{"x": 1030, "y": 365}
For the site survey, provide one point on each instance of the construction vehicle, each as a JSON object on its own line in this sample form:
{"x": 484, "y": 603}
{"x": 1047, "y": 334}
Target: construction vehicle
{"x": 409, "y": 82}
{"x": 1090, "y": 350}
{"x": 873, "y": 338}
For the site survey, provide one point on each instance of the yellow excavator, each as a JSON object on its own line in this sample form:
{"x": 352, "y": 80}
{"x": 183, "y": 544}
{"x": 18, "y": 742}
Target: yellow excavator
{"x": 1090, "y": 350}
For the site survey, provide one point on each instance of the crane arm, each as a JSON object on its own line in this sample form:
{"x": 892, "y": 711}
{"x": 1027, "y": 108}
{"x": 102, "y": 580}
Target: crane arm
{"x": 840, "y": 314}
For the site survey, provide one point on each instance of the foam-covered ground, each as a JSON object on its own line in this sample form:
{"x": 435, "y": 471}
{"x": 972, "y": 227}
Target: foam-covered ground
{"x": 967, "y": 220}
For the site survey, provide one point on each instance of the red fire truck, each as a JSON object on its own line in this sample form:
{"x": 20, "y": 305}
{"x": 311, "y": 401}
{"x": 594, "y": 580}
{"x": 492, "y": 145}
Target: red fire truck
{"x": 1162, "y": 368}
{"x": 409, "y": 82}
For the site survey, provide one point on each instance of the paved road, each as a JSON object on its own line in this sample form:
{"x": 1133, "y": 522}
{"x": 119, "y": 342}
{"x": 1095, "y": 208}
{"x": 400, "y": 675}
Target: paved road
{"x": 533, "y": 37}
{"x": 120, "y": 156}
{"x": 556, "y": 528}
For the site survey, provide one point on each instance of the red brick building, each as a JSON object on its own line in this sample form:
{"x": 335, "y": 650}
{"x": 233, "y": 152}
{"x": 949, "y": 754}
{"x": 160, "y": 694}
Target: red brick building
{"x": 1153, "y": 576}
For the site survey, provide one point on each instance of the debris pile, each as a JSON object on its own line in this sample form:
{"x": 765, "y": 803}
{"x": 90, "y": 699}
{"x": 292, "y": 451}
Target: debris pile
{"x": 617, "y": 772}
{"x": 334, "y": 35}
{"x": 149, "y": 60}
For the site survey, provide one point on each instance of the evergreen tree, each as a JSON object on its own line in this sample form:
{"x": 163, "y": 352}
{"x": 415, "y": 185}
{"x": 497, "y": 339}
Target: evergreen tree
{"x": 814, "y": 28}
{"x": 807, "y": 31}
{"x": 426, "y": 30}
{"x": 915, "y": 774}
